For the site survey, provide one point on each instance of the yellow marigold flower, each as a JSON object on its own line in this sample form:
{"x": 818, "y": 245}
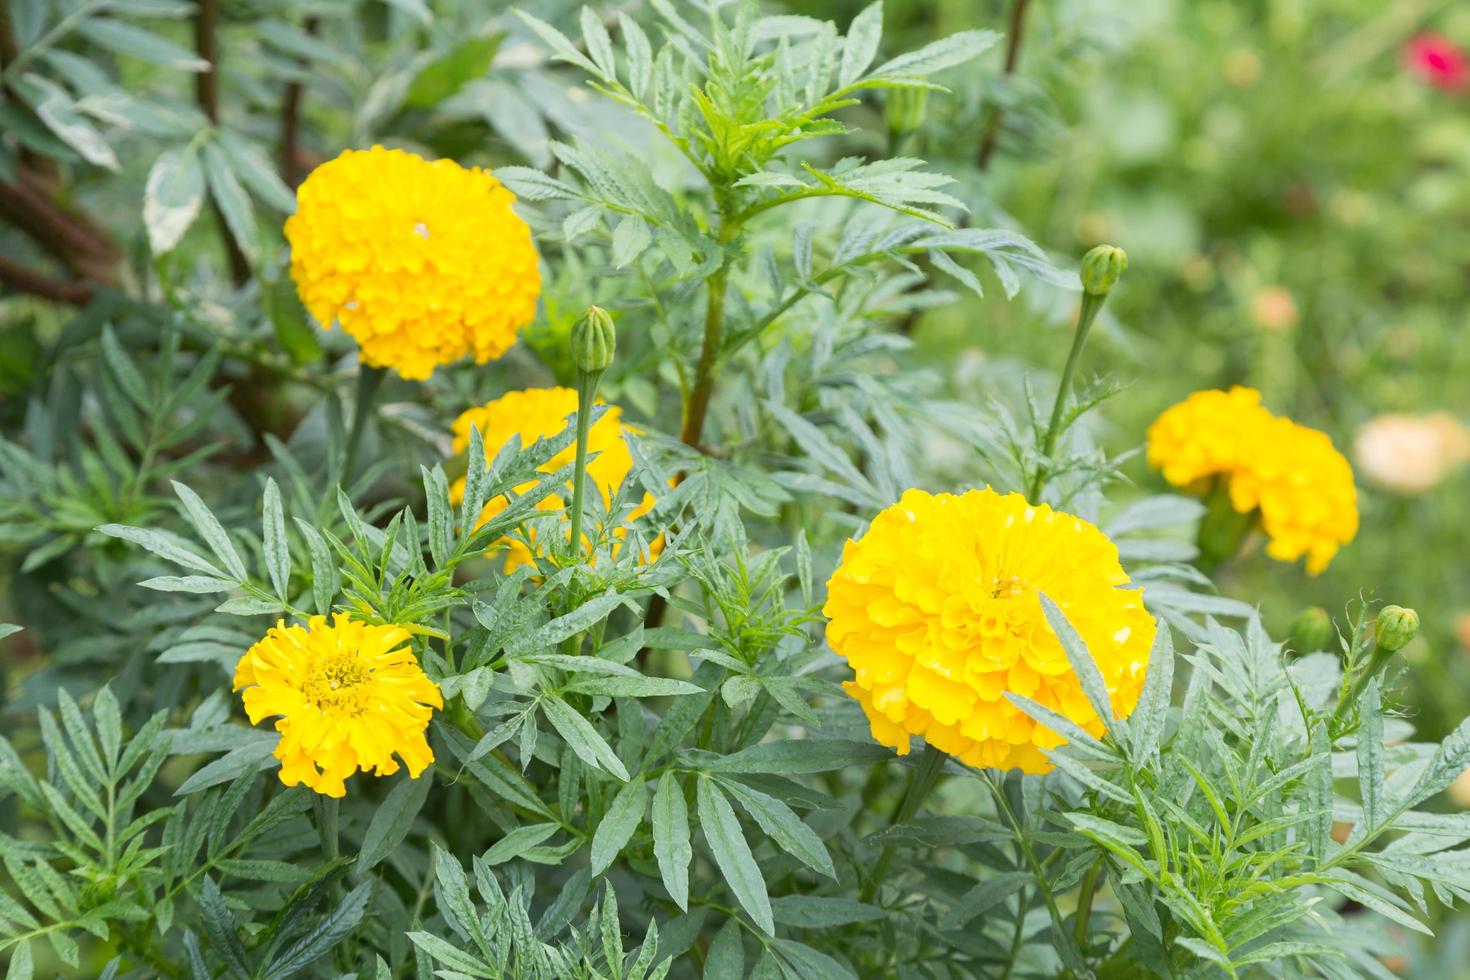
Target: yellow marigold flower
{"x": 540, "y": 413}
{"x": 347, "y": 696}
{"x": 937, "y": 610}
{"x": 1301, "y": 485}
{"x": 421, "y": 262}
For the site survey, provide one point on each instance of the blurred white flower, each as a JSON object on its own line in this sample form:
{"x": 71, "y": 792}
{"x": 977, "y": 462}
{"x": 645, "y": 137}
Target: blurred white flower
{"x": 1410, "y": 454}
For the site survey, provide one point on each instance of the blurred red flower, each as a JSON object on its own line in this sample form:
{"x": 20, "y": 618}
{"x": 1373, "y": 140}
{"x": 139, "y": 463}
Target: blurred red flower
{"x": 1437, "y": 60}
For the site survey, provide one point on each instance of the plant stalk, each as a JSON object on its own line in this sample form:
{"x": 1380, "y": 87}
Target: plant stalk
{"x": 1091, "y": 304}
{"x": 369, "y": 382}
{"x": 926, "y": 777}
{"x": 704, "y": 371}
{"x": 586, "y": 399}
{"x": 1013, "y": 59}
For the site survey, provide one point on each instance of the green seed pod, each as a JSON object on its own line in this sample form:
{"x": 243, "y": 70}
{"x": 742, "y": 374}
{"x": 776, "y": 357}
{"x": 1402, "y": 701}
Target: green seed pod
{"x": 904, "y": 112}
{"x": 1311, "y": 630}
{"x": 594, "y": 340}
{"x": 1395, "y": 627}
{"x": 1101, "y": 269}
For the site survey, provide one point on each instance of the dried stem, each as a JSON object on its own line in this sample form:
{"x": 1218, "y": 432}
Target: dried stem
{"x": 1013, "y": 58}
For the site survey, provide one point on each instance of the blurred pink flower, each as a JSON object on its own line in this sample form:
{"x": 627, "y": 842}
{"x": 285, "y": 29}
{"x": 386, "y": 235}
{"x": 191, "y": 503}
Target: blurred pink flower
{"x": 1436, "y": 59}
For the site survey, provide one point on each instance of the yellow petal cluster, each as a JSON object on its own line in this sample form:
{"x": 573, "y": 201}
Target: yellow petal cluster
{"x": 540, "y": 413}
{"x": 422, "y": 262}
{"x": 937, "y": 610}
{"x": 346, "y": 696}
{"x": 1302, "y": 486}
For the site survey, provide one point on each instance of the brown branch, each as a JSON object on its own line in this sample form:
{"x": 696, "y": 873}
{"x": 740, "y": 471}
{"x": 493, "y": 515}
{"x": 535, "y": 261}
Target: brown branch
{"x": 206, "y": 92}
{"x": 1013, "y": 58}
{"x": 27, "y": 280}
{"x": 67, "y": 234}
{"x": 291, "y": 123}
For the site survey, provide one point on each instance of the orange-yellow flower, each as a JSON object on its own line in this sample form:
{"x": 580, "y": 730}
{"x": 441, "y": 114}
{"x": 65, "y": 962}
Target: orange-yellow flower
{"x": 1301, "y": 485}
{"x": 540, "y": 413}
{"x": 937, "y": 610}
{"x": 421, "y": 262}
{"x": 346, "y": 696}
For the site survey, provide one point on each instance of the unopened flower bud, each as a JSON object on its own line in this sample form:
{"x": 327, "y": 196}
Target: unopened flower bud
{"x": 1311, "y": 630}
{"x": 1395, "y": 627}
{"x": 1101, "y": 269}
{"x": 904, "y": 112}
{"x": 594, "y": 340}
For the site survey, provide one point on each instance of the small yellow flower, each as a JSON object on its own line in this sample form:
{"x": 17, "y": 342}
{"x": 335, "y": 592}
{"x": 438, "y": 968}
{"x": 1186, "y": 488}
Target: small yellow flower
{"x": 347, "y": 696}
{"x": 421, "y": 262}
{"x": 937, "y": 610}
{"x": 1301, "y": 485}
{"x": 540, "y": 413}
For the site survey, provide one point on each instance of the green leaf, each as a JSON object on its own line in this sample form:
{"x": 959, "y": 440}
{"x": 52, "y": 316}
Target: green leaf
{"x": 441, "y": 78}
{"x": 277, "y": 555}
{"x": 124, "y": 38}
{"x": 861, "y": 45}
{"x": 800, "y": 756}
{"x": 517, "y": 842}
{"x": 630, "y": 238}
{"x": 944, "y": 53}
{"x": 172, "y": 197}
{"x": 727, "y": 844}
{"x": 219, "y": 925}
{"x": 54, "y": 106}
{"x": 618, "y": 824}
{"x": 323, "y": 936}
{"x": 1147, "y": 723}
{"x": 210, "y": 530}
{"x": 590, "y": 747}
{"x": 228, "y": 194}
{"x": 1081, "y": 660}
{"x": 163, "y": 544}
{"x": 784, "y": 827}
{"x": 294, "y": 329}
{"x": 1370, "y": 757}
{"x": 671, "y": 838}
{"x": 392, "y": 819}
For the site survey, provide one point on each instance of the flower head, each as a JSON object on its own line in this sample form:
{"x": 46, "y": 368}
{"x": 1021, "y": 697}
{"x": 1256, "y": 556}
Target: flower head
{"x": 1437, "y": 60}
{"x": 540, "y": 413}
{"x": 1301, "y": 485}
{"x": 421, "y": 262}
{"x": 937, "y": 610}
{"x": 346, "y": 696}
{"x": 1411, "y": 454}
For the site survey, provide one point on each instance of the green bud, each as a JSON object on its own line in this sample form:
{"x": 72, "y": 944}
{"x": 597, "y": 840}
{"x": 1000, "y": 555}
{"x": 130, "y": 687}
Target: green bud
{"x": 904, "y": 112}
{"x": 1101, "y": 269}
{"x": 1395, "y": 627}
{"x": 1311, "y": 630}
{"x": 594, "y": 340}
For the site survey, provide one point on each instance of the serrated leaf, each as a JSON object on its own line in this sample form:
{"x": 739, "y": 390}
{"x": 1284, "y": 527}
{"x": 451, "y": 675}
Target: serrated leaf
{"x": 727, "y": 844}
{"x": 619, "y": 824}
{"x": 172, "y": 197}
{"x": 671, "y": 838}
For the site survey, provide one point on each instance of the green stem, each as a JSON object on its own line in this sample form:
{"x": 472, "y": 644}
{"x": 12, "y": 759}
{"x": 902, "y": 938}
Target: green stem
{"x": 369, "y": 381}
{"x": 995, "y": 781}
{"x": 1084, "y": 901}
{"x": 931, "y": 765}
{"x": 1091, "y": 304}
{"x": 1221, "y": 530}
{"x": 586, "y": 393}
{"x": 704, "y": 371}
{"x": 326, "y": 825}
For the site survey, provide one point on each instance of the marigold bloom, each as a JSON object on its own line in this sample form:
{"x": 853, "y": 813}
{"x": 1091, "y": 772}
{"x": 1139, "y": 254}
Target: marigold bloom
{"x": 937, "y": 610}
{"x": 1411, "y": 454}
{"x": 421, "y": 262}
{"x": 1437, "y": 60}
{"x": 540, "y": 413}
{"x": 347, "y": 696}
{"x": 1302, "y": 486}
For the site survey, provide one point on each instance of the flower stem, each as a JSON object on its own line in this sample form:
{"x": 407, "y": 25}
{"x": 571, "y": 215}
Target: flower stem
{"x": 1091, "y": 304}
{"x": 369, "y": 381}
{"x": 586, "y": 394}
{"x": 926, "y": 777}
{"x": 704, "y": 371}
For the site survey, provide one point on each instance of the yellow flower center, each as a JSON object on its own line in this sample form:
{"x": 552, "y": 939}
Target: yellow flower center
{"x": 336, "y": 684}
{"x": 1009, "y": 588}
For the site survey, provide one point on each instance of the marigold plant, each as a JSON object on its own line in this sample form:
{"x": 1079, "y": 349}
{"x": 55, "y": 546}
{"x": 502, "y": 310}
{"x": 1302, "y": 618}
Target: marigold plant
{"x": 1299, "y": 483}
{"x": 937, "y": 609}
{"x": 347, "y": 696}
{"x": 422, "y": 262}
